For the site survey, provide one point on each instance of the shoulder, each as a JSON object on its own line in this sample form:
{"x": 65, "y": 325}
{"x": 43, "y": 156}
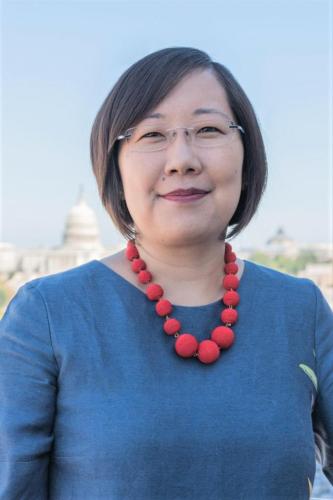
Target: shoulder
{"x": 59, "y": 284}
{"x": 58, "y": 292}
{"x": 278, "y": 283}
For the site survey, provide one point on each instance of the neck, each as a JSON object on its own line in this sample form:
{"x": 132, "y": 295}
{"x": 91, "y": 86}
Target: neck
{"x": 189, "y": 274}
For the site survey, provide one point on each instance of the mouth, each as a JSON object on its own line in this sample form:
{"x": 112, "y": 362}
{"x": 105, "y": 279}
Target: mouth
{"x": 185, "y": 195}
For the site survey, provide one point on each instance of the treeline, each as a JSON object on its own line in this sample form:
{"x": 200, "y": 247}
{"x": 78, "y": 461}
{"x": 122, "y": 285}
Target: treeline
{"x": 290, "y": 265}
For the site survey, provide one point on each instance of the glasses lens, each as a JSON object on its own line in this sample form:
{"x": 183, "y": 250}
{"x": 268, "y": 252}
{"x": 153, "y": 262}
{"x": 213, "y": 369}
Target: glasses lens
{"x": 149, "y": 138}
{"x": 215, "y": 133}
{"x": 212, "y": 132}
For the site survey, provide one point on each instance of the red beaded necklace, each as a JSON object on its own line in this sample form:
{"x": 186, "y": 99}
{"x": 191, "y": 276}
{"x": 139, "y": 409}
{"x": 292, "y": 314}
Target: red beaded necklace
{"x": 186, "y": 345}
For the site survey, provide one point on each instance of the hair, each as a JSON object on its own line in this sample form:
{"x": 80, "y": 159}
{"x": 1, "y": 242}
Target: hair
{"x": 138, "y": 91}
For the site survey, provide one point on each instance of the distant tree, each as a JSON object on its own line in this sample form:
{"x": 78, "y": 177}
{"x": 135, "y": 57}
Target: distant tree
{"x": 260, "y": 258}
{"x": 5, "y": 295}
{"x": 290, "y": 265}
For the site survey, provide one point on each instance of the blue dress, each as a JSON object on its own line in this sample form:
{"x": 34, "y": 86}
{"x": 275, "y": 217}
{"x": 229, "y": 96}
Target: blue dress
{"x": 96, "y": 404}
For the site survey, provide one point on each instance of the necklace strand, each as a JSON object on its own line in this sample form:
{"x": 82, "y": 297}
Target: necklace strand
{"x": 186, "y": 345}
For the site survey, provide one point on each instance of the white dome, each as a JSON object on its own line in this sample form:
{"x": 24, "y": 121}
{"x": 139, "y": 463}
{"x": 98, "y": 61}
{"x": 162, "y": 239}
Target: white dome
{"x": 81, "y": 228}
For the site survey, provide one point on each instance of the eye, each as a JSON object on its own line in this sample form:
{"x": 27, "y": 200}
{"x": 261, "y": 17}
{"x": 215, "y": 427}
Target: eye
{"x": 206, "y": 129}
{"x": 151, "y": 134}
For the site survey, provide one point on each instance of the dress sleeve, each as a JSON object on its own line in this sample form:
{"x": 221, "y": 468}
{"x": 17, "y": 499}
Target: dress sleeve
{"x": 28, "y": 377}
{"x": 322, "y": 416}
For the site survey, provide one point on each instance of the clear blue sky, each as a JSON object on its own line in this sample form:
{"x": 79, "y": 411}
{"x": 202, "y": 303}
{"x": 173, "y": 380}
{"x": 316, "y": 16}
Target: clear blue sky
{"x": 60, "y": 60}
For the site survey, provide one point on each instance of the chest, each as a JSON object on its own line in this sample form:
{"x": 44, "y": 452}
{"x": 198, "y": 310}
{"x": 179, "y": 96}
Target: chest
{"x": 121, "y": 382}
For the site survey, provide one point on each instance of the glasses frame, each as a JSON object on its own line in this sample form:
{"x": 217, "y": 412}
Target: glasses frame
{"x": 127, "y": 134}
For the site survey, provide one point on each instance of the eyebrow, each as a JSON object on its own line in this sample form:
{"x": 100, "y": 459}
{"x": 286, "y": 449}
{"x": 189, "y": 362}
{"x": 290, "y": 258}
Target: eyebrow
{"x": 196, "y": 112}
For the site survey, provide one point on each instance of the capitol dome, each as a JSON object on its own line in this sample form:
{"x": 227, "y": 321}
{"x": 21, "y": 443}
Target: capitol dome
{"x": 81, "y": 227}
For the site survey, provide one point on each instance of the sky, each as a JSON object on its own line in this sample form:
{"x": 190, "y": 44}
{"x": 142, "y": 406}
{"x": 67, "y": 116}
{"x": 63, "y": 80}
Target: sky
{"x": 60, "y": 59}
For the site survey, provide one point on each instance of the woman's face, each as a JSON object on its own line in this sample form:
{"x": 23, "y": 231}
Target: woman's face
{"x": 146, "y": 176}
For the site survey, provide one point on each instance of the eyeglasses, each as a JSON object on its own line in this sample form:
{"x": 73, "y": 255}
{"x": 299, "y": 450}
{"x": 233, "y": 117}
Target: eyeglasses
{"x": 215, "y": 133}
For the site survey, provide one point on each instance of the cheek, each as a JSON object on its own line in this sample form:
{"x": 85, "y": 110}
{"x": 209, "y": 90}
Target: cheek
{"x": 231, "y": 177}
{"x": 237, "y": 174}
{"x": 139, "y": 190}
{"x": 138, "y": 178}
{"x": 234, "y": 173}
{"x": 228, "y": 163}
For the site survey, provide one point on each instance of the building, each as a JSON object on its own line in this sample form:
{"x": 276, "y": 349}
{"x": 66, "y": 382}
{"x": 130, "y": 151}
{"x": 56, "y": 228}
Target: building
{"x": 80, "y": 243}
{"x": 320, "y": 255}
{"x": 281, "y": 244}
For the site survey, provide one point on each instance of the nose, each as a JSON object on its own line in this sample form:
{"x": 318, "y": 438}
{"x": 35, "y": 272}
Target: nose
{"x": 180, "y": 156}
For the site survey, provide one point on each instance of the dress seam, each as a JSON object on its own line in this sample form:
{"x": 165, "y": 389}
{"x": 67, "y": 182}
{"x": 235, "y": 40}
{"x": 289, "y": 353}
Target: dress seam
{"x": 48, "y": 322}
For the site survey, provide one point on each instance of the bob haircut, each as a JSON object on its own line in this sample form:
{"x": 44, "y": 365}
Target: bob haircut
{"x": 137, "y": 92}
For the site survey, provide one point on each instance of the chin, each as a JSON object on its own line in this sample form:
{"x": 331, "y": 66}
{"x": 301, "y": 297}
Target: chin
{"x": 187, "y": 235}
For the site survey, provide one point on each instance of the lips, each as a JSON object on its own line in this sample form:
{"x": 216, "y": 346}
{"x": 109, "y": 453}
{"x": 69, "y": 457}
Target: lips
{"x": 185, "y": 195}
{"x": 186, "y": 192}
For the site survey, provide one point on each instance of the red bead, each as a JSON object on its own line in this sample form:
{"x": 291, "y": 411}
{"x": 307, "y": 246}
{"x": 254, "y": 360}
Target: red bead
{"x": 138, "y": 265}
{"x": 131, "y": 251}
{"x": 223, "y": 336}
{"x": 231, "y": 268}
{"x": 231, "y": 298}
{"x": 208, "y": 351}
{"x": 230, "y": 257}
{"x": 154, "y": 291}
{"x": 163, "y": 307}
{"x": 230, "y": 281}
{"x": 144, "y": 277}
{"x": 171, "y": 326}
{"x": 229, "y": 316}
{"x": 228, "y": 248}
{"x": 186, "y": 345}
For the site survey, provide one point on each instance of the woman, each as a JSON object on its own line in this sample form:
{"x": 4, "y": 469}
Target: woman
{"x": 129, "y": 377}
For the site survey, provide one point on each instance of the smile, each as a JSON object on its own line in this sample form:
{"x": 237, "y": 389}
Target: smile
{"x": 184, "y": 198}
